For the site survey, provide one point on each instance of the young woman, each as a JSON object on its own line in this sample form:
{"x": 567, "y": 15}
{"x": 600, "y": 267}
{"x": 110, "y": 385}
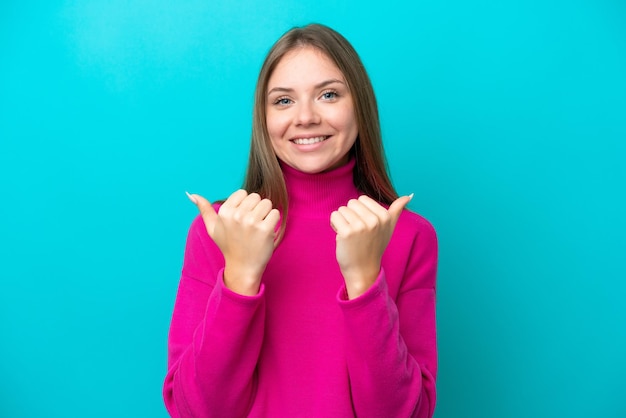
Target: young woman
{"x": 310, "y": 292}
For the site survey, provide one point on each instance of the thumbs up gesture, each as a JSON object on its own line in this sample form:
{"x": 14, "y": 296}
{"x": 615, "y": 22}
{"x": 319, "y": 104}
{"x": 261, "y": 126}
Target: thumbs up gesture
{"x": 364, "y": 229}
{"x": 244, "y": 230}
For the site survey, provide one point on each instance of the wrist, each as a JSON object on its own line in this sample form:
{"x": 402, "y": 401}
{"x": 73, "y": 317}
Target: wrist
{"x": 360, "y": 282}
{"x": 246, "y": 284}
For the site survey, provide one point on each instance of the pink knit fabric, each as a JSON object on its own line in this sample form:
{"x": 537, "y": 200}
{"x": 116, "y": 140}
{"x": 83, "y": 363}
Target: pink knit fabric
{"x": 299, "y": 348}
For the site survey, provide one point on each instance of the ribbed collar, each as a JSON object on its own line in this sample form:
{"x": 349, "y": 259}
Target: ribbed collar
{"x": 317, "y": 195}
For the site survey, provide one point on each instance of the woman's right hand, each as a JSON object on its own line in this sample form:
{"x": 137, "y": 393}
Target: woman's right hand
{"x": 244, "y": 230}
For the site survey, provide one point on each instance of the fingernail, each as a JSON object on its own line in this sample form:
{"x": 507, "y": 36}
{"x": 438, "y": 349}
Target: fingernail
{"x": 411, "y": 196}
{"x": 193, "y": 199}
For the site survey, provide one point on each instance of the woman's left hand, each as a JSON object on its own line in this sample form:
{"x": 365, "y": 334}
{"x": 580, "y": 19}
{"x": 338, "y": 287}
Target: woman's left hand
{"x": 364, "y": 229}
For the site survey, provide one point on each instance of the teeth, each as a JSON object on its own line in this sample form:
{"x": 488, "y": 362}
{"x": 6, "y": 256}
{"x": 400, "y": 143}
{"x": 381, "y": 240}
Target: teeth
{"x": 309, "y": 141}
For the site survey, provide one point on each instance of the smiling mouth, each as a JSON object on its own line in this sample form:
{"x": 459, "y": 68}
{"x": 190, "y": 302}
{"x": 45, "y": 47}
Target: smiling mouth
{"x": 309, "y": 141}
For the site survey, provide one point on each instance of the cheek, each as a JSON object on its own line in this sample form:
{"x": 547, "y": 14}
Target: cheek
{"x": 347, "y": 122}
{"x": 276, "y": 125}
{"x": 343, "y": 118}
{"x": 276, "y": 130}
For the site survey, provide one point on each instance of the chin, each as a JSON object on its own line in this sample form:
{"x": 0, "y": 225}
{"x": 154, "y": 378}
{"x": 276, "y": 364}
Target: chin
{"x": 314, "y": 167}
{"x": 310, "y": 169}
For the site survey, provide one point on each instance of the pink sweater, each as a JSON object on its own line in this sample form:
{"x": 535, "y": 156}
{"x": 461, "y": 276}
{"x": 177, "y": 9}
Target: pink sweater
{"x": 300, "y": 348}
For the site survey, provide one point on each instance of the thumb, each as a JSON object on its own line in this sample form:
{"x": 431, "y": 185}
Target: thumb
{"x": 206, "y": 211}
{"x": 396, "y": 207}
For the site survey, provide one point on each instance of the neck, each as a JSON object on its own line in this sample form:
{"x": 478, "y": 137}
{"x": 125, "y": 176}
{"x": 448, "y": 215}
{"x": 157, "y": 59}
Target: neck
{"x": 317, "y": 195}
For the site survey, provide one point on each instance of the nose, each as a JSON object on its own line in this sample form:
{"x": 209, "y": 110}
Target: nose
{"x": 307, "y": 114}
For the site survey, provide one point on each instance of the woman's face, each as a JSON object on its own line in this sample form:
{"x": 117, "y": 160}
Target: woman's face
{"x": 309, "y": 111}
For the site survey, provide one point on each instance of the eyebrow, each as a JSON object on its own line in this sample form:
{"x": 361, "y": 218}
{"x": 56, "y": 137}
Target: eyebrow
{"x": 317, "y": 86}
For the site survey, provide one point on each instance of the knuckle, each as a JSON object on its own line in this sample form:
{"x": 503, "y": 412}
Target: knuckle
{"x": 358, "y": 227}
{"x": 236, "y": 195}
{"x": 237, "y": 216}
{"x": 372, "y": 225}
{"x": 345, "y": 233}
{"x": 267, "y": 228}
{"x": 248, "y": 220}
{"x": 266, "y": 203}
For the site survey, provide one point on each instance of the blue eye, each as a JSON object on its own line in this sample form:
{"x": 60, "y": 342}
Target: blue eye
{"x": 329, "y": 95}
{"x": 283, "y": 101}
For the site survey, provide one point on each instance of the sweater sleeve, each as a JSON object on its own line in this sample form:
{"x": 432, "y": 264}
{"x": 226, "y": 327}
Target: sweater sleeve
{"x": 215, "y": 337}
{"x": 391, "y": 342}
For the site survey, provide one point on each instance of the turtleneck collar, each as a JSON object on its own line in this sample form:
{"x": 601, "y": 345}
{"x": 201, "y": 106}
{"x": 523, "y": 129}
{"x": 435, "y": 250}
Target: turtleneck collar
{"x": 317, "y": 195}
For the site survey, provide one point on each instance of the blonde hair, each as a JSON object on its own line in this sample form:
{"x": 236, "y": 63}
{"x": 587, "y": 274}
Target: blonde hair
{"x": 264, "y": 175}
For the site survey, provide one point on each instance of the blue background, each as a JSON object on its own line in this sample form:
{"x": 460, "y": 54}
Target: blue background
{"x": 506, "y": 118}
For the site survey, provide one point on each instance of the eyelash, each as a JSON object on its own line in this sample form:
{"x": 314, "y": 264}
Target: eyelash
{"x": 333, "y": 92}
{"x": 281, "y": 99}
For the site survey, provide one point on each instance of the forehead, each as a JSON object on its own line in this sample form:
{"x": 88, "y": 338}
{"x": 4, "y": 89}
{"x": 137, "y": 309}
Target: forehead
{"x": 304, "y": 65}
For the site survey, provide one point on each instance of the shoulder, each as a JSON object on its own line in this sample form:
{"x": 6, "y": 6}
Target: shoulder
{"x": 412, "y": 253}
{"x": 203, "y": 259}
{"x": 197, "y": 233}
{"x": 413, "y": 225}
{"x": 198, "y": 225}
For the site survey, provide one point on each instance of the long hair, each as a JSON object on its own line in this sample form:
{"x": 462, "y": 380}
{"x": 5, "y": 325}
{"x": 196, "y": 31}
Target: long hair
{"x": 264, "y": 175}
